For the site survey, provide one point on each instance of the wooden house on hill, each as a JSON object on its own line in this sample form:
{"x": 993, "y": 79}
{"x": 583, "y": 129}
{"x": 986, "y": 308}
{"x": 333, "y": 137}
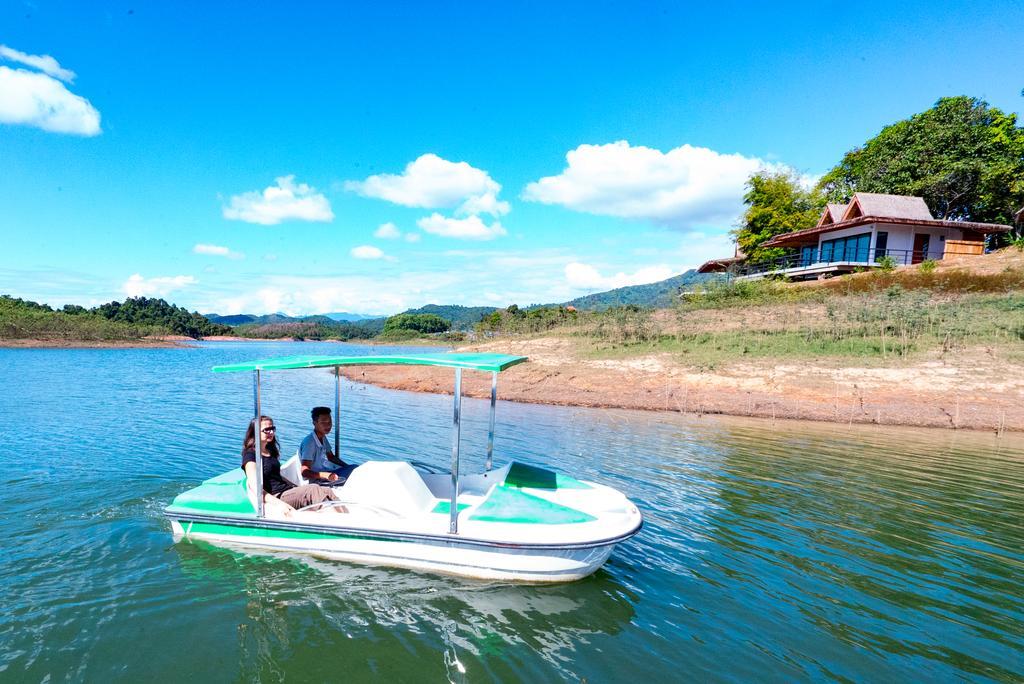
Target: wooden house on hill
{"x": 861, "y": 233}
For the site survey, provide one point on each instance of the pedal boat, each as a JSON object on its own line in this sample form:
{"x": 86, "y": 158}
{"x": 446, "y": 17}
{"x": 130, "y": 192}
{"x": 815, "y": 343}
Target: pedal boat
{"x": 518, "y": 522}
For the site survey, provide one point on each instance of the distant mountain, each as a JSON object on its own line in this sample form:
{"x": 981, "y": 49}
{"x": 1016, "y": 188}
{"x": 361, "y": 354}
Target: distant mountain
{"x": 654, "y": 295}
{"x": 269, "y": 319}
{"x": 237, "y": 319}
{"x": 345, "y": 316}
{"x": 461, "y": 317}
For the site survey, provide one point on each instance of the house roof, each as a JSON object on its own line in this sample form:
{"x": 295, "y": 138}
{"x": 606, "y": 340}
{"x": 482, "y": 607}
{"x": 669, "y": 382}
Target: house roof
{"x": 718, "y": 265}
{"x": 892, "y": 206}
{"x": 809, "y": 236}
{"x": 832, "y": 213}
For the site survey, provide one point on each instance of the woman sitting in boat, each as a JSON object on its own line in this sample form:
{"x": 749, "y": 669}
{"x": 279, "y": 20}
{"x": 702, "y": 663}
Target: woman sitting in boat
{"x": 280, "y": 495}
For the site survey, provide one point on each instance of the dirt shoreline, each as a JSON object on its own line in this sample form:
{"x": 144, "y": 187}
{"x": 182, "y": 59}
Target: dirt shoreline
{"x": 145, "y": 343}
{"x": 971, "y": 392}
{"x": 182, "y": 341}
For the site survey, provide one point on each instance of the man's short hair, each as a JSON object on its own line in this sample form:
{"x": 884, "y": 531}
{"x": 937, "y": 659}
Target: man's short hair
{"x": 319, "y": 411}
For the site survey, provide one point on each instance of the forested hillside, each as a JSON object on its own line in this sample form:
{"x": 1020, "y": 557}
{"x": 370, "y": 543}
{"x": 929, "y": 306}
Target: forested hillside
{"x": 128, "y": 320}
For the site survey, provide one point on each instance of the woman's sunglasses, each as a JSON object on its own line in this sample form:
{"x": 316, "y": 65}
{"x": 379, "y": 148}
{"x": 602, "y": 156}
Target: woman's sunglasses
{"x": 268, "y": 430}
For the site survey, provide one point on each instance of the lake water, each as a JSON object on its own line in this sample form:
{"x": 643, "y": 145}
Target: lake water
{"x": 770, "y": 552}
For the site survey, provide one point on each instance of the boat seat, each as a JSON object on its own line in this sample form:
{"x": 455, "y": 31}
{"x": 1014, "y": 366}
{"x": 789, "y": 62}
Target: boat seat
{"x": 392, "y": 485}
{"x": 291, "y": 470}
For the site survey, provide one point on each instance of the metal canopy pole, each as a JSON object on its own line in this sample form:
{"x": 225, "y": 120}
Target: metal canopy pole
{"x": 490, "y": 430}
{"x": 453, "y": 526}
{"x": 259, "y": 443}
{"x": 337, "y": 409}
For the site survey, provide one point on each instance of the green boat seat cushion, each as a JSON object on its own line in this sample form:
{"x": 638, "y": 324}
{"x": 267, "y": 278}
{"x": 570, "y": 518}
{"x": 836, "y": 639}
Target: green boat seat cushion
{"x": 522, "y": 475}
{"x": 511, "y": 505}
{"x": 225, "y": 493}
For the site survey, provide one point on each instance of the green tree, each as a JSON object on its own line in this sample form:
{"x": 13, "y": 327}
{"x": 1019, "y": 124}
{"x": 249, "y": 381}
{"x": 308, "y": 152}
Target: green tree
{"x": 776, "y": 203}
{"x": 158, "y": 314}
{"x": 965, "y": 158}
{"x": 419, "y": 323}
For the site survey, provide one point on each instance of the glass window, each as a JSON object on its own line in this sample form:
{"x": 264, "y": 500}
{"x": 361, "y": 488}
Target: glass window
{"x": 853, "y": 248}
{"x": 881, "y": 244}
{"x": 863, "y": 245}
{"x": 827, "y": 250}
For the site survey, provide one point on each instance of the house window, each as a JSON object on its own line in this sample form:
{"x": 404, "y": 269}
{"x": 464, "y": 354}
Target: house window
{"x": 881, "y": 244}
{"x": 853, "y": 248}
{"x": 807, "y": 255}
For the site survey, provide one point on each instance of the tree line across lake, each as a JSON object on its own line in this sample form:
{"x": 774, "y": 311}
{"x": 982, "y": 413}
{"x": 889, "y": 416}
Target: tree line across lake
{"x": 140, "y": 317}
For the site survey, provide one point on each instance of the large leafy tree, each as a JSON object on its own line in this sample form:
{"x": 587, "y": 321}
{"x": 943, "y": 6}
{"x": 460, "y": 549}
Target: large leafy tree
{"x": 776, "y": 203}
{"x": 419, "y": 323}
{"x": 965, "y": 158}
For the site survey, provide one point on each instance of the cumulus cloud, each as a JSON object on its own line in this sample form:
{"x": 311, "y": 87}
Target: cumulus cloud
{"x": 137, "y": 286}
{"x": 487, "y": 203}
{"x": 470, "y": 228}
{"x": 216, "y": 250}
{"x": 430, "y": 182}
{"x": 301, "y": 295}
{"x": 28, "y": 98}
{"x": 367, "y": 252}
{"x": 387, "y": 231}
{"x": 587, "y": 277}
{"x": 284, "y": 201}
{"x": 412, "y": 237}
{"x": 685, "y": 187}
{"x": 45, "y": 63}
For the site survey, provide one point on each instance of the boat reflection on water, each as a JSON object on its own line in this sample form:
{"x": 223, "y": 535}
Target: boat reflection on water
{"x": 385, "y": 622}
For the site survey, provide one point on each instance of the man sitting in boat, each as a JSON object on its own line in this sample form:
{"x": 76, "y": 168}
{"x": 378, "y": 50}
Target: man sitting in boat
{"x": 319, "y": 462}
{"x": 280, "y": 496}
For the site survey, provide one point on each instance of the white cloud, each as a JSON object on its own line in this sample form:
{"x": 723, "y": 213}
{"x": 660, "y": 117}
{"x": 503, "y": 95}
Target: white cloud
{"x": 216, "y": 250}
{"x": 587, "y": 277}
{"x": 302, "y": 295}
{"x": 470, "y": 228}
{"x": 137, "y": 286}
{"x": 430, "y": 182}
{"x": 487, "y": 203}
{"x": 685, "y": 187}
{"x": 32, "y": 99}
{"x": 270, "y": 257}
{"x": 367, "y": 252}
{"x": 287, "y": 200}
{"x": 45, "y": 63}
{"x": 412, "y": 237}
{"x": 387, "y": 231}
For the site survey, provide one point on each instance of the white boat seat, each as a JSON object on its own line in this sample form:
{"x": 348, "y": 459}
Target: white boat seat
{"x": 291, "y": 470}
{"x": 392, "y": 485}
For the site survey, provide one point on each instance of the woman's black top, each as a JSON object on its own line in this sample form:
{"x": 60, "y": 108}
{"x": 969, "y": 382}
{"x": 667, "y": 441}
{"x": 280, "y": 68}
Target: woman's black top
{"x": 272, "y": 480}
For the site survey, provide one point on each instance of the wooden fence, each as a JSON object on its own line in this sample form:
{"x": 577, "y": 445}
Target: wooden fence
{"x": 964, "y": 247}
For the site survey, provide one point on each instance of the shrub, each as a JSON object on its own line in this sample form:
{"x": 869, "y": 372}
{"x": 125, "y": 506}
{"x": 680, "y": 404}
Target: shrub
{"x": 886, "y": 264}
{"x": 928, "y": 266}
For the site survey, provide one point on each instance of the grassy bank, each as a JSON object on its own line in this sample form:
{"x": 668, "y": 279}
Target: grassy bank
{"x": 870, "y": 317}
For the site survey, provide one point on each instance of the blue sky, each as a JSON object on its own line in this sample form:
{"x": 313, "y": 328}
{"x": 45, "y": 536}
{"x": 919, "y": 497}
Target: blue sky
{"x": 308, "y": 157}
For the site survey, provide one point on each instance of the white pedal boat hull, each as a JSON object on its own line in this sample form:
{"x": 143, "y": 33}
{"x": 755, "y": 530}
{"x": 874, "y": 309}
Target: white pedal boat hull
{"x": 507, "y": 529}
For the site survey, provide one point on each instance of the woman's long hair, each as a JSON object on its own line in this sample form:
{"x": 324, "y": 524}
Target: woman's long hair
{"x": 250, "y": 438}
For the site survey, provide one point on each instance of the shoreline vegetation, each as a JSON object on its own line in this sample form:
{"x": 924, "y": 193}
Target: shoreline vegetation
{"x": 940, "y": 345}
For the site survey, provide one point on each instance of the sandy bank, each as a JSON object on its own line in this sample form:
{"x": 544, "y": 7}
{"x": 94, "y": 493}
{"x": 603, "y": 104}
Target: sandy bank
{"x": 973, "y": 391}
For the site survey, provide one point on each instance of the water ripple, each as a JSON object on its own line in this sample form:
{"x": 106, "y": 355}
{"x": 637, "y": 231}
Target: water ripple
{"x": 770, "y": 552}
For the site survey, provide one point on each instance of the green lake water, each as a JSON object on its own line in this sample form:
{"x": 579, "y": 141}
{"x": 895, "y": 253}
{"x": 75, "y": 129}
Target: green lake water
{"x": 770, "y": 552}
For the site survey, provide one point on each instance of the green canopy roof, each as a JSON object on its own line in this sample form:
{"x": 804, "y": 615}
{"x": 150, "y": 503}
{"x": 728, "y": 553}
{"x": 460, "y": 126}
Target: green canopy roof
{"x": 473, "y": 361}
